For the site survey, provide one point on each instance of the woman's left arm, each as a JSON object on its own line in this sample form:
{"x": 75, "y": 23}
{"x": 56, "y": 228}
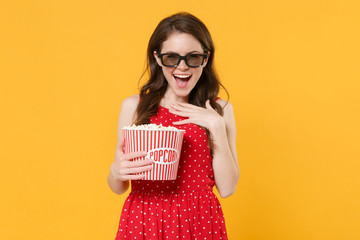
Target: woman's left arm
{"x": 223, "y": 133}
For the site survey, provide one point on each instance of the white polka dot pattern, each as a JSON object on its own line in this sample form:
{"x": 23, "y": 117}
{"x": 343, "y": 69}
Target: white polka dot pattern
{"x": 185, "y": 208}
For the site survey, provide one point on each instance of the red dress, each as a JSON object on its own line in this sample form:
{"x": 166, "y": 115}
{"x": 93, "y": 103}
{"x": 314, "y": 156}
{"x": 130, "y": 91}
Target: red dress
{"x": 185, "y": 208}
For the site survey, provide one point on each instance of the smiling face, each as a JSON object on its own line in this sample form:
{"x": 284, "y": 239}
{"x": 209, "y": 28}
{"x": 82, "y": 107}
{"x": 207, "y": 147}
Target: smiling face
{"x": 182, "y": 78}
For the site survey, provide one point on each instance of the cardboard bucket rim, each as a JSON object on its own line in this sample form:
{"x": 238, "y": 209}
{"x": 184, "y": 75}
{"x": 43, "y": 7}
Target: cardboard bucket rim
{"x": 154, "y": 129}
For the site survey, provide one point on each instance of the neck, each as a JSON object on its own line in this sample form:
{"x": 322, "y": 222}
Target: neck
{"x": 169, "y": 99}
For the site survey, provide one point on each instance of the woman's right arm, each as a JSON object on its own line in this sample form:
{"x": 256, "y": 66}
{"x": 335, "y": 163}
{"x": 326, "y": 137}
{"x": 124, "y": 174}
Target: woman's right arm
{"x": 123, "y": 168}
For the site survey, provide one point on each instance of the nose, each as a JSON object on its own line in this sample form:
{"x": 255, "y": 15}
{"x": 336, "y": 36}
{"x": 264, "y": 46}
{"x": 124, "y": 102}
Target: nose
{"x": 182, "y": 65}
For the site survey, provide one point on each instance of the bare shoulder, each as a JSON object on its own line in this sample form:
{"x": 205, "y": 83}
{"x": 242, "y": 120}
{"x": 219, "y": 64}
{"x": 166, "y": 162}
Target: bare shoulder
{"x": 130, "y": 102}
{"x": 227, "y": 106}
{"x": 128, "y": 109}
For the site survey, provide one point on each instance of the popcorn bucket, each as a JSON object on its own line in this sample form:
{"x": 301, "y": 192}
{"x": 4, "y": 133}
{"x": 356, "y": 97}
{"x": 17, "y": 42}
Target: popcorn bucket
{"x": 162, "y": 145}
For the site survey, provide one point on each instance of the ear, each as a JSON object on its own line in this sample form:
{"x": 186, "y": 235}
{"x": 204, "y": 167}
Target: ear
{"x": 157, "y": 59}
{"x": 206, "y": 60}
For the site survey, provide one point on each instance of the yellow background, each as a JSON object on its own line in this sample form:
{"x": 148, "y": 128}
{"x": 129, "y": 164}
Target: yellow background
{"x": 292, "y": 70}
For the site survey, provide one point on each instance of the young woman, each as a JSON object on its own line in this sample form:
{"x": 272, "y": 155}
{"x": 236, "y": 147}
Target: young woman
{"x": 182, "y": 92}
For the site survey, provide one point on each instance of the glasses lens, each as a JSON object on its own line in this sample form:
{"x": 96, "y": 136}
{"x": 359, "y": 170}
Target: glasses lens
{"x": 170, "y": 59}
{"x": 194, "y": 60}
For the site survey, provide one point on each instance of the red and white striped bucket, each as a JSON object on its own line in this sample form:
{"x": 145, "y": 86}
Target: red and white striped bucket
{"x": 163, "y": 147}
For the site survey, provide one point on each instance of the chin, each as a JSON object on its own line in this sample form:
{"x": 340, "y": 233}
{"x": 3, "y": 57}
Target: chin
{"x": 183, "y": 94}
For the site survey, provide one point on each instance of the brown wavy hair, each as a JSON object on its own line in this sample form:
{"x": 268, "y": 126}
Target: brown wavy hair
{"x": 154, "y": 89}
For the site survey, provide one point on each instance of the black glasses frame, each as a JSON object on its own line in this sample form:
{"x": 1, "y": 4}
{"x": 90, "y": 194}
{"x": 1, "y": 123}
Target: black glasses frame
{"x": 204, "y": 56}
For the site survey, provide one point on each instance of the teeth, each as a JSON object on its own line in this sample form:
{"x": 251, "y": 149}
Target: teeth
{"x": 182, "y": 76}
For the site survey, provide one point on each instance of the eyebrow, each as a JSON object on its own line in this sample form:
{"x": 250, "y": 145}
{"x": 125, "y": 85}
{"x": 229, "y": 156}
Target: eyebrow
{"x": 195, "y": 51}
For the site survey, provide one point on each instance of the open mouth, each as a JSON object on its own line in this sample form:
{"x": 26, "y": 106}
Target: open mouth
{"x": 182, "y": 80}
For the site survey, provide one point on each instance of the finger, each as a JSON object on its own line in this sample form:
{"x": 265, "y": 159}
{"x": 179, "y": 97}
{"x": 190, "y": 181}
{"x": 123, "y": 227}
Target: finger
{"x": 183, "y": 122}
{"x": 137, "y": 170}
{"x": 207, "y": 104}
{"x": 179, "y": 113}
{"x": 135, "y": 177}
{"x": 129, "y": 156}
{"x": 132, "y": 164}
{"x": 177, "y": 108}
{"x": 188, "y": 105}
